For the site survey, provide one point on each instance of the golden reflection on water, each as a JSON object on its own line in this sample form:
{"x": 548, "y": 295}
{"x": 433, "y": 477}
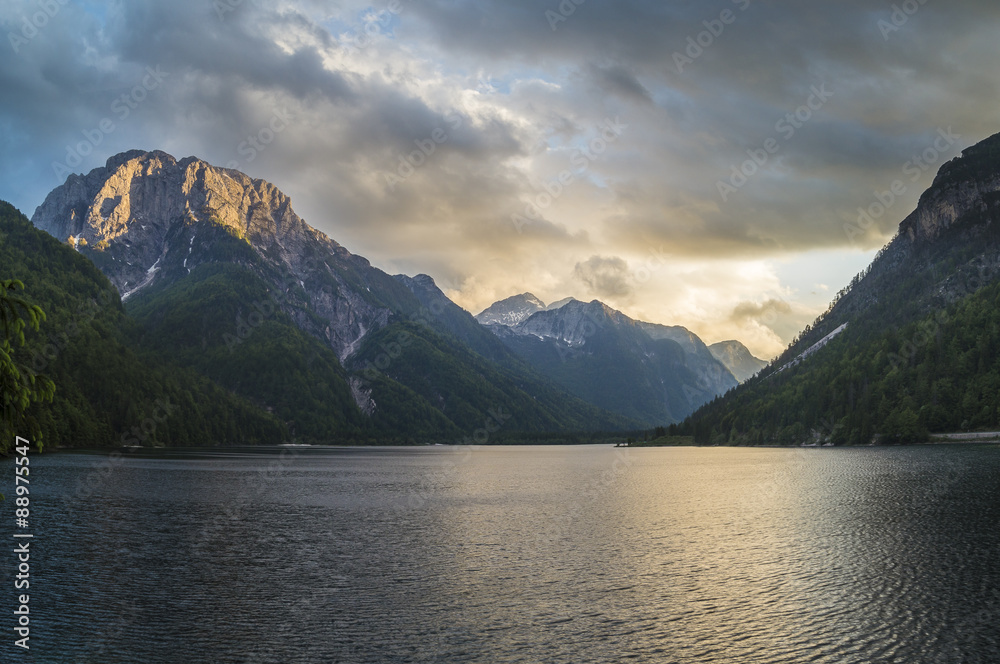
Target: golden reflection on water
{"x": 555, "y": 554}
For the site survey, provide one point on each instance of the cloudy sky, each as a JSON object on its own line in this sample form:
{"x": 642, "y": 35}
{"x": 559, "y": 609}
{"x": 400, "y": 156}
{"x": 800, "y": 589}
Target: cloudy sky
{"x": 694, "y": 163}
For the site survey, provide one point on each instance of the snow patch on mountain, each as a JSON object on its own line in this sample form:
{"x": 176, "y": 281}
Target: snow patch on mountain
{"x": 511, "y": 311}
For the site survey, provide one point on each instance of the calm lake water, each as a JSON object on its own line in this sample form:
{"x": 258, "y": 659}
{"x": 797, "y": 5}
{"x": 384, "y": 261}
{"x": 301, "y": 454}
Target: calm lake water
{"x": 513, "y": 554}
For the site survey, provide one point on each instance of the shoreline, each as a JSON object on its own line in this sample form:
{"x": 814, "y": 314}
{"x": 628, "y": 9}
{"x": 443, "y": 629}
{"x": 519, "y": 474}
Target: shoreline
{"x": 986, "y": 438}
{"x": 971, "y": 438}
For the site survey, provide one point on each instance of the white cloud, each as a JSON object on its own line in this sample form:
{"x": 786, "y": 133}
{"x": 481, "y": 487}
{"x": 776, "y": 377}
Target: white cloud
{"x": 358, "y": 112}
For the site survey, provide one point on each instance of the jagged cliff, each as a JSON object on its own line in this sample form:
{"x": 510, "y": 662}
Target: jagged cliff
{"x": 147, "y": 219}
{"x": 911, "y": 346}
{"x": 967, "y": 185}
{"x": 945, "y": 249}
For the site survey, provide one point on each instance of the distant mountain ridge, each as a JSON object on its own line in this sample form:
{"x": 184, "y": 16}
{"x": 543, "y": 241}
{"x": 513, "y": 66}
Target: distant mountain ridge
{"x": 511, "y": 310}
{"x": 655, "y": 373}
{"x": 225, "y": 278}
{"x": 737, "y": 359}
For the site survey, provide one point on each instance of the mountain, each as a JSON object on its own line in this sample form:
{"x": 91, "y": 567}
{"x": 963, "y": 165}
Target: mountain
{"x": 224, "y": 279}
{"x": 146, "y": 219}
{"x": 452, "y": 319}
{"x": 511, "y": 311}
{"x": 737, "y": 358}
{"x": 502, "y": 368}
{"x": 688, "y": 340}
{"x": 559, "y": 304}
{"x": 652, "y": 373}
{"x": 109, "y": 391}
{"x": 911, "y": 346}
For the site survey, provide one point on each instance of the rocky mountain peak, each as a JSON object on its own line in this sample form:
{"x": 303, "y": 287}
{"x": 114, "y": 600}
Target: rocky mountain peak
{"x": 424, "y": 287}
{"x": 966, "y": 185}
{"x": 425, "y": 281}
{"x": 573, "y": 322}
{"x": 141, "y": 196}
{"x": 147, "y": 218}
{"x": 737, "y": 358}
{"x": 559, "y": 304}
{"x": 603, "y": 355}
{"x": 689, "y": 341}
{"x": 511, "y": 311}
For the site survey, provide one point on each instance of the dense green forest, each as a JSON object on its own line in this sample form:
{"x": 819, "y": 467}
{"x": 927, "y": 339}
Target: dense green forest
{"x": 20, "y": 385}
{"x": 223, "y": 321}
{"x": 213, "y": 357}
{"x": 459, "y": 381}
{"x": 876, "y": 382}
{"x": 107, "y": 392}
{"x": 208, "y": 322}
{"x": 921, "y": 350}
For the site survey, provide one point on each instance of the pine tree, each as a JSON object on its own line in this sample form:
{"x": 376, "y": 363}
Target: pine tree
{"x": 20, "y": 386}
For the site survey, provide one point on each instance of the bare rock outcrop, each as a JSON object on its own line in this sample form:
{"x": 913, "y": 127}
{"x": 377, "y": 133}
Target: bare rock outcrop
{"x": 145, "y": 218}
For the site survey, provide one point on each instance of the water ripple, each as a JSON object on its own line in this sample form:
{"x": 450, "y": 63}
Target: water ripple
{"x": 521, "y": 555}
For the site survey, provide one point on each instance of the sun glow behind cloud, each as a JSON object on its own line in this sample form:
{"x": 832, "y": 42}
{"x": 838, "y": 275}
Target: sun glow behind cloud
{"x": 470, "y": 141}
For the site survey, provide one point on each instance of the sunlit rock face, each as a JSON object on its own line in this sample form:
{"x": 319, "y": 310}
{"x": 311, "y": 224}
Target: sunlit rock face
{"x": 147, "y": 219}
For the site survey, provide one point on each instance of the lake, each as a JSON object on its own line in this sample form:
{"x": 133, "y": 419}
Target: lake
{"x": 513, "y": 554}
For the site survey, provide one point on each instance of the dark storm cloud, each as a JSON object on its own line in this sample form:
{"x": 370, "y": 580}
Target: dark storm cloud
{"x": 515, "y": 92}
{"x": 190, "y": 35}
{"x": 895, "y": 79}
{"x": 221, "y": 71}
